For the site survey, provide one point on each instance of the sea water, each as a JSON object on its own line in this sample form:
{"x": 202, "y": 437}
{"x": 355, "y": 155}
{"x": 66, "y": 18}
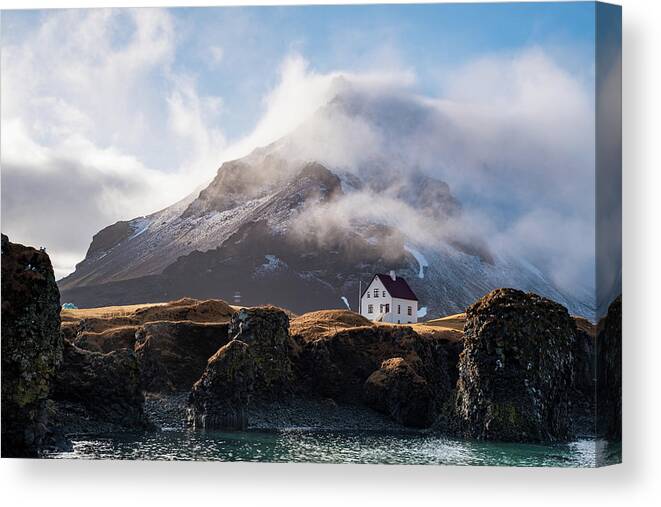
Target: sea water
{"x": 336, "y": 447}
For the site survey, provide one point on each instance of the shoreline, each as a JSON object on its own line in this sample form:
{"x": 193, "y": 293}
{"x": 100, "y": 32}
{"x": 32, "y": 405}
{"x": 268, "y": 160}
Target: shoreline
{"x": 295, "y": 413}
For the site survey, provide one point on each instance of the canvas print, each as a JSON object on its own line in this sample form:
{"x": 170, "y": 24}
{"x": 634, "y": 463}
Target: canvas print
{"x": 381, "y": 234}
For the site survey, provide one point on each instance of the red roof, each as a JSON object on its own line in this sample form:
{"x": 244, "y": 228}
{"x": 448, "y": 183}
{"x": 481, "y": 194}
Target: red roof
{"x": 397, "y": 288}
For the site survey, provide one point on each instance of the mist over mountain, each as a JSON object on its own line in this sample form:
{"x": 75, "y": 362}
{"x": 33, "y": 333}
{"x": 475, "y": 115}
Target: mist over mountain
{"x": 376, "y": 179}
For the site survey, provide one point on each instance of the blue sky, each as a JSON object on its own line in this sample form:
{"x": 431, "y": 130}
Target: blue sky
{"x": 430, "y": 39}
{"x": 113, "y": 114}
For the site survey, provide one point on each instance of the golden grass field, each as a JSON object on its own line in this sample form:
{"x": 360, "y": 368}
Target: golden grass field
{"x": 105, "y": 312}
{"x": 313, "y": 324}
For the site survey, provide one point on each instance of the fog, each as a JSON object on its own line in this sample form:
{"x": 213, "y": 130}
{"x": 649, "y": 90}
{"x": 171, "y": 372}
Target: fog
{"x": 512, "y": 136}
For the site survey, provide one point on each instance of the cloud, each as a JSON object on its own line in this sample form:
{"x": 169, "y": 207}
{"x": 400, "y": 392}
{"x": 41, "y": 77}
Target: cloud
{"x": 97, "y": 126}
{"x": 300, "y": 91}
{"x": 367, "y": 206}
{"x": 100, "y": 123}
{"x": 191, "y": 119}
{"x": 512, "y": 134}
{"x": 525, "y": 116}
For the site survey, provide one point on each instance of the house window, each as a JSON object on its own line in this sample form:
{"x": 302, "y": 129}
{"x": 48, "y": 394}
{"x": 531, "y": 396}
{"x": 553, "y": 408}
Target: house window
{"x": 387, "y": 308}
{"x": 384, "y": 293}
{"x": 399, "y": 310}
{"x": 410, "y": 312}
{"x": 368, "y": 295}
{"x": 370, "y": 308}
{"x": 376, "y": 293}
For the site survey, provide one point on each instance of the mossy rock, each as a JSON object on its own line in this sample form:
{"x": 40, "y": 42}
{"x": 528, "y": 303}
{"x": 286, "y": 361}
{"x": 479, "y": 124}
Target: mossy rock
{"x": 516, "y": 372}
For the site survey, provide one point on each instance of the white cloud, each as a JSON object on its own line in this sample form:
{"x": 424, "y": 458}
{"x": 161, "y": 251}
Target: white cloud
{"x": 190, "y": 118}
{"x": 300, "y": 92}
{"x": 525, "y": 116}
{"x": 85, "y": 138}
{"x": 513, "y": 136}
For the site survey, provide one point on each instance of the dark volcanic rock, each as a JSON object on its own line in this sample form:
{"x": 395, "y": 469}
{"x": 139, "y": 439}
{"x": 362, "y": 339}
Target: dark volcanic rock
{"x": 31, "y": 346}
{"x": 255, "y": 364}
{"x": 584, "y": 353}
{"x": 337, "y": 365}
{"x": 609, "y": 371}
{"x": 516, "y": 370}
{"x": 173, "y": 355}
{"x": 266, "y": 331}
{"x": 397, "y": 390}
{"x": 219, "y": 400}
{"x": 584, "y": 392}
{"x": 105, "y": 387}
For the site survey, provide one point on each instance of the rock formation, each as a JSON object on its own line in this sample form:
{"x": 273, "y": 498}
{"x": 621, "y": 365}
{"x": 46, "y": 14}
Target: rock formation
{"x": 104, "y": 387}
{"x": 398, "y": 391}
{"x": 31, "y": 346}
{"x": 516, "y": 369}
{"x": 380, "y": 365}
{"x": 172, "y": 341}
{"x": 173, "y": 355}
{"x": 609, "y": 371}
{"x": 584, "y": 392}
{"x": 220, "y": 398}
{"x": 336, "y": 365}
{"x": 266, "y": 331}
{"x": 584, "y": 353}
{"x": 255, "y": 364}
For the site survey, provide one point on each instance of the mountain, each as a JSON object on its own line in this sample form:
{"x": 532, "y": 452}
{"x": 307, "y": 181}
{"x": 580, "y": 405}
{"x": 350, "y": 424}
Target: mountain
{"x": 299, "y": 223}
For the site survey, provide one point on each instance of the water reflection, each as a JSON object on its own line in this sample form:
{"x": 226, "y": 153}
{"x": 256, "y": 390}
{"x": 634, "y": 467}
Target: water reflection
{"x": 337, "y": 447}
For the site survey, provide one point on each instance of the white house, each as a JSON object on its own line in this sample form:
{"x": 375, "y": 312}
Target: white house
{"x": 388, "y": 298}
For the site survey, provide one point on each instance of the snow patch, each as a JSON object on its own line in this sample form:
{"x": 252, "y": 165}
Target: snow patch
{"x": 139, "y": 225}
{"x": 422, "y": 261}
{"x": 272, "y": 264}
{"x": 422, "y": 312}
{"x": 346, "y": 302}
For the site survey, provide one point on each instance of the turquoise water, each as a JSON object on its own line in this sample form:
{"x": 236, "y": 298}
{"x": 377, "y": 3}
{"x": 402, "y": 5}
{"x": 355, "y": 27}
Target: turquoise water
{"x": 336, "y": 447}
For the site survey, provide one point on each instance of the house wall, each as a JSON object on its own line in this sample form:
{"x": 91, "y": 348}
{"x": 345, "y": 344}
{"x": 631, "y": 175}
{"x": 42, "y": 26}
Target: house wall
{"x": 403, "y": 317}
{"x": 392, "y": 316}
{"x": 376, "y": 302}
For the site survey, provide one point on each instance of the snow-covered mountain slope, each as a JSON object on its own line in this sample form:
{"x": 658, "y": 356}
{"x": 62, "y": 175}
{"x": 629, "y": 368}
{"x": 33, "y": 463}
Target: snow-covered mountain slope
{"x": 301, "y": 222}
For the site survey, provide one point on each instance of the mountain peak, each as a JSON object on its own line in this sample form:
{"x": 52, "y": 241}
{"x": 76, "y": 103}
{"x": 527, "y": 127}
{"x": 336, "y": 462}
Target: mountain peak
{"x": 343, "y": 196}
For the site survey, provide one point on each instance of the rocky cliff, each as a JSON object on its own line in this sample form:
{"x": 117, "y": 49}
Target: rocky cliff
{"x": 397, "y": 390}
{"x": 172, "y": 342}
{"x": 220, "y": 398}
{"x": 31, "y": 346}
{"x": 173, "y": 355}
{"x": 392, "y": 369}
{"x": 254, "y": 364}
{"x": 94, "y": 390}
{"x": 609, "y": 374}
{"x": 516, "y": 372}
{"x": 520, "y": 371}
